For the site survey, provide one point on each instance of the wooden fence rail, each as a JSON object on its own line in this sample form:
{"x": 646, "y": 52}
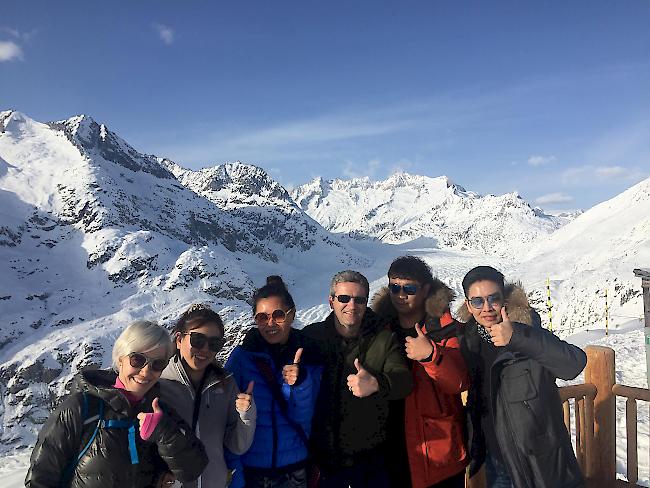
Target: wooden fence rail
{"x": 632, "y": 394}
{"x": 583, "y": 396}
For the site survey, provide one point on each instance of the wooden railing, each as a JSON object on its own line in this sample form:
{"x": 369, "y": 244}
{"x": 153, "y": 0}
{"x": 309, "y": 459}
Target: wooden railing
{"x": 583, "y": 396}
{"x": 632, "y": 394}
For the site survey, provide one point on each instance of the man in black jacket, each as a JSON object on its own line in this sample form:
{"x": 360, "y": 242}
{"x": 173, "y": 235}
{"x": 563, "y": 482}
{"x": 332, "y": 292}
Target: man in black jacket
{"x": 363, "y": 369}
{"x": 514, "y": 404}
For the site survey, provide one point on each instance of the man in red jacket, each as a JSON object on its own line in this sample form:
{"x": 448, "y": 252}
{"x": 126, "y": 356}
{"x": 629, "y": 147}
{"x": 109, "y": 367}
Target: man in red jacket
{"x": 426, "y": 430}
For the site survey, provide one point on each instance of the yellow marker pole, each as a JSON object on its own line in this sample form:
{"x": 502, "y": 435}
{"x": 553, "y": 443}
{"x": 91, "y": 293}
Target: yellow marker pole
{"x": 606, "y": 313}
{"x": 549, "y": 305}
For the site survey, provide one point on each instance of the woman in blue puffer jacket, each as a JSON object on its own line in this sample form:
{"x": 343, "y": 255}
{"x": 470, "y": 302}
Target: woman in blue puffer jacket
{"x": 285, "y": 388}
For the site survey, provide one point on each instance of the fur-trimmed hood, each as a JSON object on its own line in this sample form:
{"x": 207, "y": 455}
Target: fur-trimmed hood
{"x": 519, "y": 310}
{"x": 437, "y": 303}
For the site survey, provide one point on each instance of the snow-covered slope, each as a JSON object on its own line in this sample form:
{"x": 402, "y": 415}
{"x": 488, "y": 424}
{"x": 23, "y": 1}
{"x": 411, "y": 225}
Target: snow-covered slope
{"x": 405, "y": 207}
{"x": 94, "y": 234}
{"x": 595, "y": 253}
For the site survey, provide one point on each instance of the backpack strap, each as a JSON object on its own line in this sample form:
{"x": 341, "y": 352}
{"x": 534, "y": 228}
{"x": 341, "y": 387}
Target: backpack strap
{"x": 128, "y": 424}
{"x": 97, "y": 419}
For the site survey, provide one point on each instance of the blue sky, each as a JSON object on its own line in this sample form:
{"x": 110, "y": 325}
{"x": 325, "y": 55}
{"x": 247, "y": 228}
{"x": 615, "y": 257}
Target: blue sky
{"x": 551, "y": 99}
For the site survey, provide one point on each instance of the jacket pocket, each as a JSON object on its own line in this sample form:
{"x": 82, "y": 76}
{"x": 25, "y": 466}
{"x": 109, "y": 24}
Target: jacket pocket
{"x": 444, "y": 441}
{"x": 518, "y": 385}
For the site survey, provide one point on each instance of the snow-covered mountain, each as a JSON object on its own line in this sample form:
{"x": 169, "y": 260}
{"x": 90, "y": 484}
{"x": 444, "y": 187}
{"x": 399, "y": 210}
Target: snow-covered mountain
{"x": 405, "y": 207}
{"x": 94, "y": 234}
{"x": 595, "y": 253}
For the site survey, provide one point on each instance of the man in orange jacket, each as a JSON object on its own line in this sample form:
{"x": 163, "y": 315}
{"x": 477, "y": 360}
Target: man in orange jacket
{"x": 426, "y": 431}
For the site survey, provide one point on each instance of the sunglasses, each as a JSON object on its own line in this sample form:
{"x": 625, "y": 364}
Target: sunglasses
{"x": 138, "y": 360}
{"x": 278, "y": 316}
{"x": 479, "y": 302}
{"x": 198, "y": 341}
{"x": 395, "y": 289}
{"x": 347, "y": 298}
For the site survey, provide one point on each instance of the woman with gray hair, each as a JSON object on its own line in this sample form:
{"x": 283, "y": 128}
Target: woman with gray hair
{"x": 112, "y": 431}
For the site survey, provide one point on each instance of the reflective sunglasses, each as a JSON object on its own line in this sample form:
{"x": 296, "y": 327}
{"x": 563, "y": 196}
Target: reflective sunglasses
{"x": 138, "y": 360}
{"x": 395, "y": 289}
{"x": 478, "y": 302}
{"x": 198, "y": 341}
{"x": 347, "y": 298}
{"x": 278, "y": 316}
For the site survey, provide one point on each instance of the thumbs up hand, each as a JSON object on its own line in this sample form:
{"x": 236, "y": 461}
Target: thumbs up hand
{"x": 243, "y": 401}
{"x": 362, "y": 384}
{"x": 290, "y": 371}
{"x": 148, "y": 421}
{"x": 419, "y": 347}
{"x": 501, "y": 333}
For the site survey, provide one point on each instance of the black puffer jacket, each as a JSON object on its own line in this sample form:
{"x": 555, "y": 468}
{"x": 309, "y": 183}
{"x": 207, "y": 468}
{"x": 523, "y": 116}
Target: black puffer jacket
{"x": 525, "y": 403}
{"x": 107, "y": 463}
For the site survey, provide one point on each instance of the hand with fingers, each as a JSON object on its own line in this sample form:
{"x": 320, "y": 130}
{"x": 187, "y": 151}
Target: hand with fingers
{"x": 419, "y": 347}
{"x": 362, "y": 384}
{"x": 243, "y": 401}
{"x": 501, "y": 333}
{"x": 290, "y": 371}
{"x": 148, "y": 421}
{"x": 166, "y": 480}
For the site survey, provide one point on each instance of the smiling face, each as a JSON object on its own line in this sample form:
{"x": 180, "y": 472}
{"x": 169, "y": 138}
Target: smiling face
{"x": 198, "y": 359}
{"x": 140, "y": 381}
{"x": 489, "y": 313}
{"x": 349, "y": 315}
{"x": 274, "y": 331}
{"x": 408, "y": 305}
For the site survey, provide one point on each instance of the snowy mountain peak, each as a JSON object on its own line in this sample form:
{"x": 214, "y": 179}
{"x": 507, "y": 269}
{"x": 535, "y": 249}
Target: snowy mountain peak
{"x": 233, "y": 185}
{"x": 405, "y": 207}
{"x": 93, "y": 139}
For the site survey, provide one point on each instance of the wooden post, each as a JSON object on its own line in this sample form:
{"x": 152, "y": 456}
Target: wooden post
{"x": 601, "y": 372}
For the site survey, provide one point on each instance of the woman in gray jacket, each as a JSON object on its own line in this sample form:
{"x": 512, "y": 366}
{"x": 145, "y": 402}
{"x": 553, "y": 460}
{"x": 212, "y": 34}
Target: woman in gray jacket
{"x": 205, "y": 395}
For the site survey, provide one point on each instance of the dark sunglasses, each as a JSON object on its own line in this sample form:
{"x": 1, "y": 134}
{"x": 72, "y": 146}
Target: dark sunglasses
{"x": 138, "y": 360}
{"x": 395, "y": 289}
{"x": 347, "y": 298}
{"x": 198, "y": 340}
{"x": 278, "y": 316}
{"x": 478, "y": 302}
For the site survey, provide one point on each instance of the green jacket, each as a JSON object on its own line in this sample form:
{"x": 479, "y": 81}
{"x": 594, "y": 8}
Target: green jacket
{"x": 346, "y": 428}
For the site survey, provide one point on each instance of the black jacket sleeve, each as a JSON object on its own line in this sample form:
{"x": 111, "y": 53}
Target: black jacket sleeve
{"x": 561, "y": 359}
{"x": 181, "y": 450}
{"x": 58, "y": 444}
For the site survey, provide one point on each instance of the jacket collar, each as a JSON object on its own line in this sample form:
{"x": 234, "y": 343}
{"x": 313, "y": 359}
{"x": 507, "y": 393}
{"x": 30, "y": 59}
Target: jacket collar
{"x": 175, "y": 371}
{"x": 100, "y": 383}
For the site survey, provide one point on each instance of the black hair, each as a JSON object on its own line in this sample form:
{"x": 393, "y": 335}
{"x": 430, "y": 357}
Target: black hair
{"x": 483, "y": 273}
{"x": 196, "y": 316}
{"x": 410, "y": 268}
{"x": 274, "y": 287}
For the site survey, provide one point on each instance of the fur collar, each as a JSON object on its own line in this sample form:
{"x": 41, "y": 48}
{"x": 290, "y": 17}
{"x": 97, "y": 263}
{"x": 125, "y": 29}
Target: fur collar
{"x": 436, "y": 305}
{"x": 519, "y": 310}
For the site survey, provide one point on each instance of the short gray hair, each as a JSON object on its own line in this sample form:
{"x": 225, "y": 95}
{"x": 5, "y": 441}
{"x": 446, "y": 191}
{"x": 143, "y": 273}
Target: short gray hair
{"x": 142, "y": 336}
{"x": 349, "y": 276}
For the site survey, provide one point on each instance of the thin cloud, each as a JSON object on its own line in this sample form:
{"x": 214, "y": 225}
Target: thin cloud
{"x": 552, "y": 198}
{"x": 589, "y": 173}
{"x": 166, "y": 34}
{"x": 353, "y": 170}
{"x": 611, "y": 172}
{"x": 537, "y": 160}
{"x": 9, "y": 51}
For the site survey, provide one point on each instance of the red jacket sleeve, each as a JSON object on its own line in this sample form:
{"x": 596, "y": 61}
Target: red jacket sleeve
{"x": 447, "y": 367}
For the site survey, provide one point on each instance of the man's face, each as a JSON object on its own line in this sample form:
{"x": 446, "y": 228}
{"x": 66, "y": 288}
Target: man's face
{"x": 484, "y": 302}
{"x": 349, "y": 314}
{"x": 407, "y": 296}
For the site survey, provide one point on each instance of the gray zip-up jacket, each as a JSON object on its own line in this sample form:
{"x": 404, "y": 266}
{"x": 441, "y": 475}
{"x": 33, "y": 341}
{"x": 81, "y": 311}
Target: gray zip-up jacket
{"x": 219, "y": 423}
